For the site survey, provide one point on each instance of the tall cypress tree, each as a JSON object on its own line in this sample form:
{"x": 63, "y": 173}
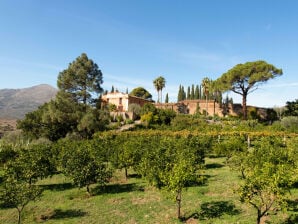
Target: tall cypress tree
{"x": 188, "y": 93}
{"x": 197, "y": 93}
{"x": 167, "y": 98}
{"x": 180, "y": 94}
{"x": 192, "y": 94}
{"x": 183, "y": 93}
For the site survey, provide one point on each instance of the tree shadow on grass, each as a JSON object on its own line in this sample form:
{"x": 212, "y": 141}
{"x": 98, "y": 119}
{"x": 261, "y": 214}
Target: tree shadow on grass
{"x": 213, "y": 209}
{"x": 57, "y": 187}
{"x": 63, "y": 214}
{"x": 116, "y": 188}
{"x": 134, "y": 175}
{"x": 293, "y": 219}
{"x": 214, "y": 166}
{"x": 292, "y": 207}
{"x": 202, "y": 180}
{"x": 295, "y": 184}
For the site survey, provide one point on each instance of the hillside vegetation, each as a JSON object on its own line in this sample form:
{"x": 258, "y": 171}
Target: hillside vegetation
{"x": 15, "y": 103}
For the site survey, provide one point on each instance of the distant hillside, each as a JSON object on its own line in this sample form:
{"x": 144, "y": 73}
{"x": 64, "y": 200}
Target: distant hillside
{"x": 15, "y": 103}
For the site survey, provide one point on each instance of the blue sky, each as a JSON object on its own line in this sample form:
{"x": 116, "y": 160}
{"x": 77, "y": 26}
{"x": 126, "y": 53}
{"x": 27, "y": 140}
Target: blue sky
{"x": 135, "y": 41}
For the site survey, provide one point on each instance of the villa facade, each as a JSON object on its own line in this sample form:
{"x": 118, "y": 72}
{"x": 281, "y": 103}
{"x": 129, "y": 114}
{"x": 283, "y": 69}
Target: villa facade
{"x": 122, "y": 100}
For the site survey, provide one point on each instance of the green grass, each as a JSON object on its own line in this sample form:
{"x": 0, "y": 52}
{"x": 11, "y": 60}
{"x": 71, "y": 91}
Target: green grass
{"x": 133, "y": 201}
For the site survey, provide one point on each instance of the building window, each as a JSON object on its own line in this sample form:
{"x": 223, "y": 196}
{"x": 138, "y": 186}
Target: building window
{"x": 120, "y": 101}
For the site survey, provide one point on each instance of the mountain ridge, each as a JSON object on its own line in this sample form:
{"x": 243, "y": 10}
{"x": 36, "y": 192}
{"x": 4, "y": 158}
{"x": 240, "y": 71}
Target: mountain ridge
{"x": 15, "y": 103}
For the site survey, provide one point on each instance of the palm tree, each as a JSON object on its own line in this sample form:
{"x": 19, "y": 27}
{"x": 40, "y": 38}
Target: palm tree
{"x": 159, "y": 84}
{"x": 216, "y": 93}
{"x": 206, "y": 86}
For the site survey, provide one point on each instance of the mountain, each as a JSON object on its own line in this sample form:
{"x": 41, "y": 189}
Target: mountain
{"x": 15, "y": 103}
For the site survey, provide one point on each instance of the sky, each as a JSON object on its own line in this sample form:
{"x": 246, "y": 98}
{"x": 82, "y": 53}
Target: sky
{"x": 135, "y": 41}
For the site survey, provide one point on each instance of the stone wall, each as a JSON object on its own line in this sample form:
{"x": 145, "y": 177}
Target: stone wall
{"x": 193, "y": 107}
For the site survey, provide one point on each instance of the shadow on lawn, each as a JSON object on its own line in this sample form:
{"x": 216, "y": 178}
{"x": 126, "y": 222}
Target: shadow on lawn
{"x": 213, "y": 209}
{"x": 57, "y": 187}
{"x": 293, "y": 207}
{"x": 202, "y": 180}
{"x": 116, "y": 188}
{"x": 63, "y": 214}
{"x": 293, "y": 219}
{"x": 214, "y": 166}
{"x": 134, "y": 175}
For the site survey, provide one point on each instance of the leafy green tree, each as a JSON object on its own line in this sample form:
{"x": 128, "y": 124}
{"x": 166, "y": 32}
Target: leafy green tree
{"x": 126, "y": 152}
{"x": 184, "y": 166}
{"x": 290, "y": 123}
{"x": 61, "y": 116}
{"x": 171, "y": 163}
{"x": 246, "y": 78}
{"x": 32, "y": 163}
{"x": 159, "y": 83}
{"x": 149, "y": 119}
{"x": 7, "y": 153}
{"x": 82, "y": 79}
{"x": 80, "y": 163}
{"x": 148, "y": 107}
{"x": 165, "y": 116}
{"x": 93, "y": 121}
{"x": 152, "y": 160}
{"x": 228, "y": 146}
{"x": 33, "y": 125}
{"x": 292, "y": 108}
{"x": 18, "y": 194}
{"x": 135, "y": 108}
{"x": 269, "y": 174}
{"x": 141, "y": 92}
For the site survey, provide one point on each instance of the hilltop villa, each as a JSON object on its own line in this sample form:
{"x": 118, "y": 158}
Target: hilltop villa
{"x": 122, "y": 102}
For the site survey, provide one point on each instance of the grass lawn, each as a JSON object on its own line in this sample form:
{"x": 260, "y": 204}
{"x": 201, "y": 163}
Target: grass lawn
{"x": 133, "y": 201}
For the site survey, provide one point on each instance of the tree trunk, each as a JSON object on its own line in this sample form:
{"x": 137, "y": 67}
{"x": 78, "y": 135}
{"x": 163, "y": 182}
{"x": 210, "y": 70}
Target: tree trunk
{"x": 244, "y": 108}
{"x": 213, "y": 108}
{"x": 178, "y": 200}
{"x": 161, "y": 96}
{"x": 206, "y": 105}
{"x": 126, "y": 175}
{"x": 19, "y": 215}
{"x": 259, "y": 217}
